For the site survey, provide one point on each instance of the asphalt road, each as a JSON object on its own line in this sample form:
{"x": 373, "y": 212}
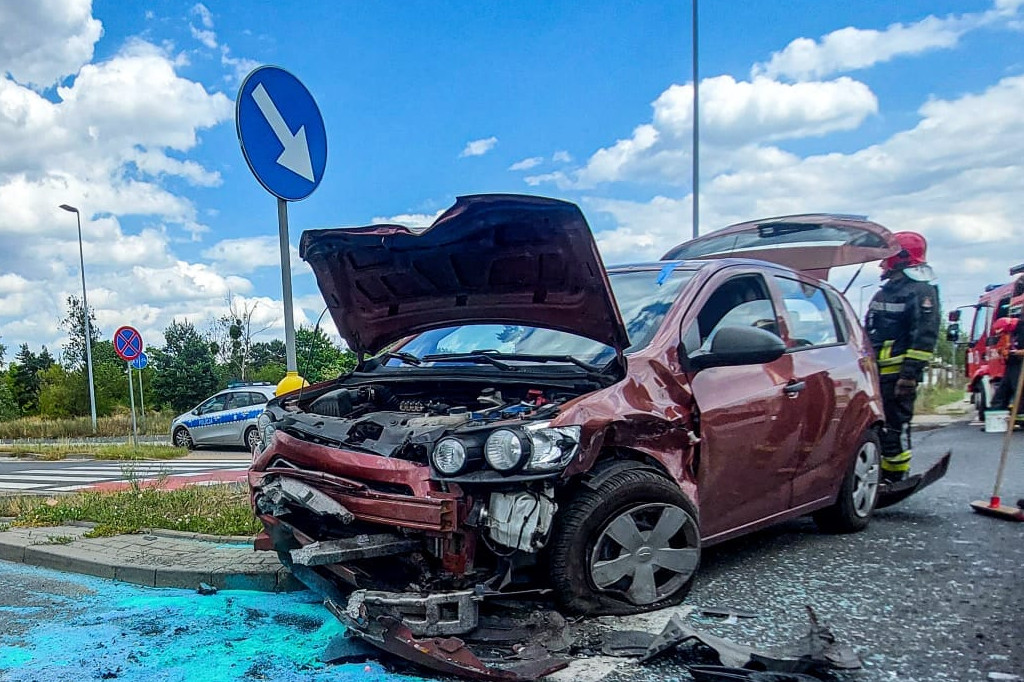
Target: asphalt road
{"x": 931, "y": 591}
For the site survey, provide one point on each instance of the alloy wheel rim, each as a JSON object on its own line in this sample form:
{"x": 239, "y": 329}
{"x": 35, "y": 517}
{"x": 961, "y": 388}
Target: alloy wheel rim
{"x": 252, "y": 439}
{"x": 865, "y": 479}
{"x": 647, "y": 552}
{"x": 181, "y": 438}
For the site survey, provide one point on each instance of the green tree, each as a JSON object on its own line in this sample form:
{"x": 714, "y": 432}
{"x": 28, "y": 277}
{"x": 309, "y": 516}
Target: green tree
{"x": 73, "y": 323}
{"x": 184, "y": 369}
{"x": 318, "y": 358}
{"x": 26, "y": 377}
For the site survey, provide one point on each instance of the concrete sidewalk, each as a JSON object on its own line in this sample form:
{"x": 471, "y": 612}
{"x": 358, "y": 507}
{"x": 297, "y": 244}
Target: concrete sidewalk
{"x": 158, "y": 559}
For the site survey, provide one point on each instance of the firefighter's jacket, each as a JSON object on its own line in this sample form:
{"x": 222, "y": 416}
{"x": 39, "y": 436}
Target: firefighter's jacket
{"x": 903, "y": 325}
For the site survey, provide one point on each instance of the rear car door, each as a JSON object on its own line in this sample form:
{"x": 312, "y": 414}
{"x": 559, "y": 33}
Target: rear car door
{"x": 827, "y": 371}
{"x": 747, "y": 420}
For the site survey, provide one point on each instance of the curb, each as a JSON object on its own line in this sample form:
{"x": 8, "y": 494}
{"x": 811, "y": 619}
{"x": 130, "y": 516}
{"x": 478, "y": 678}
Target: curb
{"x": 260, "y": 576}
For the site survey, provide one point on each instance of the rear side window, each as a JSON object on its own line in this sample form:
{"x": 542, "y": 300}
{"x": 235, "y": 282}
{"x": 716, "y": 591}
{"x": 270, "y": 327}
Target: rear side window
{"x": 257, "y": 398}
{"x": 811, "y": 319}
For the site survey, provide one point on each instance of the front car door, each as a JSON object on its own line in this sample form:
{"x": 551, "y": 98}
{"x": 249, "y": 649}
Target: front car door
{"x": 832, "y": 403}
{"x": 748, "y": 423}
{"x": 204, "y": 426}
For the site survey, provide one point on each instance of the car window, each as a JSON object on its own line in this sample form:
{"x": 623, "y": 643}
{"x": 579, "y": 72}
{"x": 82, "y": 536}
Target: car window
{"x": 741, "y": 302}
{"x": 981, "y": 316}
{"x": 214, "y": 404}
{"x": 240, "y": 400}
{"x": 257, "y": 398}
{"x": 811, "y": 321}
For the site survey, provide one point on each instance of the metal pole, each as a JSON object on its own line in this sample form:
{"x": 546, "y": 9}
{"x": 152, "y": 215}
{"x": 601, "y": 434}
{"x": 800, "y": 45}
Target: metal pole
{"x": 85, "y": 315}
{"x": 695, "y": 147}
{"x": 142, "y": 402}
{"x": 286, "y": 287}
{"x": 131, "y": 397}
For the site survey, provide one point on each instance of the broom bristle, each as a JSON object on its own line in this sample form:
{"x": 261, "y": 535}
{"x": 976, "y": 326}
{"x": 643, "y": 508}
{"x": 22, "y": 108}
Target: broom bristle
{"x": 1000, "y": 511}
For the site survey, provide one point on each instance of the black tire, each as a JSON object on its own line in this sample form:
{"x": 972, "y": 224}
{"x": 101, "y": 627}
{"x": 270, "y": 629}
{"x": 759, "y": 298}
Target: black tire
{"x": 250, "y": 434}
{"x": 857, "y": 495}
{"x": 980, "y": 402}
{"x": 581, "y": 539}
{"x": 182, "y": 439}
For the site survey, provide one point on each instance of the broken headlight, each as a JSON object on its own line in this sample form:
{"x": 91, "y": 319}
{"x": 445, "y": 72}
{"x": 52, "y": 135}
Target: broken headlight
{"x": 266, "y": 428}
{"x": 551, "y": 448}
{"x": 449, "y": 456}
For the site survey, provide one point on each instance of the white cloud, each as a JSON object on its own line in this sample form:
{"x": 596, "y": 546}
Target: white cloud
{"x": 561, "y": 156}
{"x": 409, "y": 219}
{"x": 527, "y": 164}
{"x": 850, "y": 48}
{"x": 479, "y": 147}
{"x": 240, "y": 66}
{"x": 957, "y": 177}
{"x": 46, "y": 40}
{"x": 247, "y": 254}
{"x": 204, "y": 33}
{"x": 736, "y": 116}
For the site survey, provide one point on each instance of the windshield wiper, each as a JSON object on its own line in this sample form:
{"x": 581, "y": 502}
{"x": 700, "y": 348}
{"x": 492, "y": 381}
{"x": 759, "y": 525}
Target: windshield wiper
{"x": 475, "y": 356}
{"x": 407, "y": 358}
{"x": 494, "y": 357}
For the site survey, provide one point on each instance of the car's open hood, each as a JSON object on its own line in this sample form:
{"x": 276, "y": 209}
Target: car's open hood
{"x": 813, "y": 243}
{"x": 489, "y": 259}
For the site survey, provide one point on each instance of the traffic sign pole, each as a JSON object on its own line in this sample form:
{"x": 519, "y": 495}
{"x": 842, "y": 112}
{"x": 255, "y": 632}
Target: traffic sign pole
{"x": 142, "y": 402}
{"x": 131, "y": 398}
{"x": 291, "y": 363}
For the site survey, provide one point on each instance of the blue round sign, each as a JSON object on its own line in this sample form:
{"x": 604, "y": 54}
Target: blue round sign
{"x": 281, "y": 132}
{"x": 140, "y": 362}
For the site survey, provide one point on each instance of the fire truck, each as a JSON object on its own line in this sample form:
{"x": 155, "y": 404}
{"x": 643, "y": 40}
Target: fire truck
{"x": 986, "y": 350}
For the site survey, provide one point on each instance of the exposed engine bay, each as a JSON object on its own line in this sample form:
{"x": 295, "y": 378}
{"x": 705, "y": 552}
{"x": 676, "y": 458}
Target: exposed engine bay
{"x": 406, "y": 421}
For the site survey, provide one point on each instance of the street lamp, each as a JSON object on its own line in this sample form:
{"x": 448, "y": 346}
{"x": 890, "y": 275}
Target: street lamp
{"x": 85, "y": 315}
{"x": 695, "y": 144}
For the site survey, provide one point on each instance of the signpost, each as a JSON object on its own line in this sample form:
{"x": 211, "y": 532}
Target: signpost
{"x": 139, "y": 364}
{"x": 284, "y": 142}
{"x": 128, "y": 346}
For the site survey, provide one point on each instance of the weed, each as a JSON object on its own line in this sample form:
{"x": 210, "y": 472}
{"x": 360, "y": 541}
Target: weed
{"x": 59, "y": 539}
{"x": 80, "y": 427}
{"x": 96, "y": 451}
{"x": 4, "y": 527}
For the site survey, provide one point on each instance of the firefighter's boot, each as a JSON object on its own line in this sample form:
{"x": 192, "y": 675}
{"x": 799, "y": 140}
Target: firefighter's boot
{"x": 896, "y": 468}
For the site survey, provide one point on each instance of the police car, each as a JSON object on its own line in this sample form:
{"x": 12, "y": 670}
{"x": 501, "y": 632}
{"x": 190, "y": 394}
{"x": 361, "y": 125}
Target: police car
{"x": 227, "y": 418}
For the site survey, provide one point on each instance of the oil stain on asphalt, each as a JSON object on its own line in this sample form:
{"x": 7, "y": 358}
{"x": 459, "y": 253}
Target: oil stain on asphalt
{"x": 56, "y": 627}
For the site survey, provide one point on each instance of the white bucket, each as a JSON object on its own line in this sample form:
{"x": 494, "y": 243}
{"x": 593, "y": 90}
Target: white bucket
{"x": 996, "y": 421}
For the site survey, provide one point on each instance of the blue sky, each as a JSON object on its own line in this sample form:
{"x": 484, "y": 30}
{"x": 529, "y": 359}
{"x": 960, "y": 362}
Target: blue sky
{"x": 907, "y": 112}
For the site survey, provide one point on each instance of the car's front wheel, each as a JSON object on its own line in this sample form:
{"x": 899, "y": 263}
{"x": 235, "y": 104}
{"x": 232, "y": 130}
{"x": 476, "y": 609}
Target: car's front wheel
{"x": 628, "y": 546}
{"x": 182, "y": 439}
{"x": 859, "y": 491}
{"x": 252, "y": 438}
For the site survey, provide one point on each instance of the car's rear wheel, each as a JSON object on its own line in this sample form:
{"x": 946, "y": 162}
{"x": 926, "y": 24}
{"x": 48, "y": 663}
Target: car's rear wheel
{"x": 182, "y": 439}
{"x": 859, "y": 491}
{"x": 252, "y": 438}
{"x": 631, "y": 545}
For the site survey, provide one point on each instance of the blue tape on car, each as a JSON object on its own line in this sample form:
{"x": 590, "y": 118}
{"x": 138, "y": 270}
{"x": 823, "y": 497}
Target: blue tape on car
{"x": 665, "y": 272}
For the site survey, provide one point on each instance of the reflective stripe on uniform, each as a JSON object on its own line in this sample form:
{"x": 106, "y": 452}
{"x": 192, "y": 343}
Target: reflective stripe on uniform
{"x": 900, "y": 462}
{"x": 894, "y": 369}
{"x": 919, "y": 355}
{"x": 886, "y": 350}
{"x": 888, "y": 307}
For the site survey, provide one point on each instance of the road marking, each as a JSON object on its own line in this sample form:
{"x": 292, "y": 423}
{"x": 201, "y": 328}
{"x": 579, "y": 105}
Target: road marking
{"x": 44, "y": 479}
{"x": 21, "y": 486}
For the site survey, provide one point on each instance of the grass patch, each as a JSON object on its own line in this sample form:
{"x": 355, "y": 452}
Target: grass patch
{"x": 97, "y": 451}
{"x": 59, "y": 539}
{"x": 216, "y": 510}
{"x": 157, "y": 423}
{"x": 931, "y": 398}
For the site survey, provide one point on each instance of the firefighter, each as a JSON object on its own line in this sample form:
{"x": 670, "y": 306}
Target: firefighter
{"x": 903, "y": 325}
{"x": 1008, "y": 385}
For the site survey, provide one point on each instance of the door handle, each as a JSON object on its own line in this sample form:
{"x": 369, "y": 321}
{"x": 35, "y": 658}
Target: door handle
{"x": 793, "y": 388}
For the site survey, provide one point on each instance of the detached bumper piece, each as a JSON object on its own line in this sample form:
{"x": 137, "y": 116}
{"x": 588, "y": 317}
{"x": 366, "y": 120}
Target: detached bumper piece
{"x": 413, "y": 627}
{"x": 352, "y": 549}
{"x": 891, "y": 493}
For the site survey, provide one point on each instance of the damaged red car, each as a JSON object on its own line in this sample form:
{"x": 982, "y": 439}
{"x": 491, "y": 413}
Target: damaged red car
{"x": 525, "y": 422}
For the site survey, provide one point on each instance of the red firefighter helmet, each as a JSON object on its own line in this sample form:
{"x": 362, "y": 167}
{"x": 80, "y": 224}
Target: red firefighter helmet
{"x": 1004, "y": 325}
{"x": 912, "y": 252}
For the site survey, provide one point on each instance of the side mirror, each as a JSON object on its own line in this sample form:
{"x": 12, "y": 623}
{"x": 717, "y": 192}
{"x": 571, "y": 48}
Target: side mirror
{"x": 953, "y": 332}
{"x": 954, "y": 316}
{"x": 731, "y": 346}
{"x": 196, "y": 412}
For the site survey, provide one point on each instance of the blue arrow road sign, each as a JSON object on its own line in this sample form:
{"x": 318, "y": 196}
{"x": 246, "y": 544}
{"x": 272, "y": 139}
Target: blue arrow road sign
{"x": 127, "y": 343}
{"x": 281, "y": 132}
{"x": 140, "y": 362}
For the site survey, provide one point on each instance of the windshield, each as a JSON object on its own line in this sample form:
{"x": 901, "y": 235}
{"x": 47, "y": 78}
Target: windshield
{"x": 643, "y": 297}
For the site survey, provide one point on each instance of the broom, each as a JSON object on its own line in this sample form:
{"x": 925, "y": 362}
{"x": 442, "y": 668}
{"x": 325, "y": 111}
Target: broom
{"x": 994, "y": 506}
